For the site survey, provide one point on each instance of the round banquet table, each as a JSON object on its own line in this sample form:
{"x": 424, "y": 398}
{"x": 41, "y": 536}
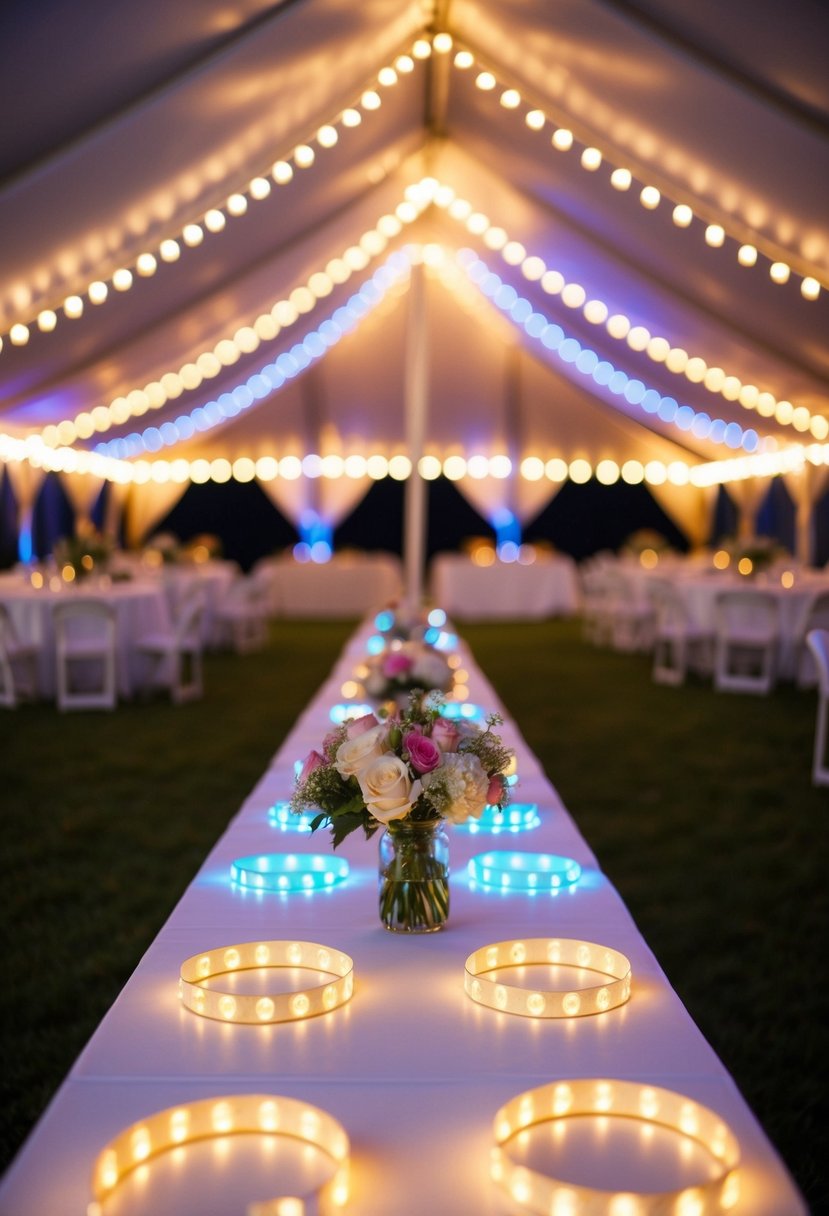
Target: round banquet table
{"x": 140, "y": 607}
{"x": 505, "y": 590}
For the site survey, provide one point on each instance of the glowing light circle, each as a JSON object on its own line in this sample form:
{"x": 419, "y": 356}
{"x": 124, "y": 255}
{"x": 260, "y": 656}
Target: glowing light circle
{"x": 289, "y": 872}
{"x": 281, "y": 816}
{"x": 502, "y": 870}
{"x": 613, "y": 989}
{"x": 533, "y": 1191}
{"x": 262, "y": 1009}
{"x": 517, "y": 817}
{"x": 266, "y": 1114}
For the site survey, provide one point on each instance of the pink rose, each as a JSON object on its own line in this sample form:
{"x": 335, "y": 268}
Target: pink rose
{"x": 312, "y": 762}
{"x": 446, "y": 735}
{"x": 423, "y": 753}
{"x": 396, "y": 664}
{"x": 358, "y": 726}
{"x": 495, "y": 791}
{"x": 331, "y": 742}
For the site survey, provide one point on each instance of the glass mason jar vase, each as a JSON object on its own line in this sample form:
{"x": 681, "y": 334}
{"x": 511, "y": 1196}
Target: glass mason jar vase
{"x": 414, "y": 876}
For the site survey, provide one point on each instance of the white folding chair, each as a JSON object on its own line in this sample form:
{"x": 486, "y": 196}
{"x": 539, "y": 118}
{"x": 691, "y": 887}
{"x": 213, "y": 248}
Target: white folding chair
{"x": 747, "y": 640}
{"x": 176, "y": 654}
{"x": 242, "y": 615}
{"x": 818, "y": 642}
{"x": 18, "y": 663}
{"x": 85, "y": 653}
{"x": 816, "y": 616}
{"x": 632, "y": 617}
{"x": 678, "y": 644}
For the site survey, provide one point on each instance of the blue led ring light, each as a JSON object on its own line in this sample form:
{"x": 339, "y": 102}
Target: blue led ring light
{"x": 511, "y": 871}
{"x": 287, "y": 872}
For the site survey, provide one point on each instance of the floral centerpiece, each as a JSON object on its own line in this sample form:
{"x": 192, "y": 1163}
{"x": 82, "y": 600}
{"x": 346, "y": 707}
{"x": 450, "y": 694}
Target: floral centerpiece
{"x": 84, "y": 553}
{"x": 751, "y": 555}
{"x": 402, "y": 667}
{"x": 400, "y": 620}
{"x": 409, "y": 774}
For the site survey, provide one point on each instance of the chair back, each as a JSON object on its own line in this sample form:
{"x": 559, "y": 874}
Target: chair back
{"x": 85, "y": 651}
{"x": 748, "y": 611}
{"x": 84, "y": 620}
{"x": 188, "y": 624}
{"x": 818, "y": 642}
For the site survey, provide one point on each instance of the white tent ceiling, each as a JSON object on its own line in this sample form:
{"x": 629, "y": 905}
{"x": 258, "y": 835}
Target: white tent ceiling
{"x": 122, "y": 124}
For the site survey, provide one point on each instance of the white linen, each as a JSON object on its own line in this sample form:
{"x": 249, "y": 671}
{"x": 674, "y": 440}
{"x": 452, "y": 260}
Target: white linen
{"x": 140, "y": 607}
{"x": 505, "y": 590}
{"x": 414, "y": 1070}
{"x": 350, "y": 584}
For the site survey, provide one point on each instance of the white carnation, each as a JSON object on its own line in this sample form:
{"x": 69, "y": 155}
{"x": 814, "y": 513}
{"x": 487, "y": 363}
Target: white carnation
{"x": 466, "y": 785}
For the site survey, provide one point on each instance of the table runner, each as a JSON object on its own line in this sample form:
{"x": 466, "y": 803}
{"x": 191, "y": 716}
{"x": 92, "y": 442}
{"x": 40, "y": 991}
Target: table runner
{"x": 413, "y": 1069}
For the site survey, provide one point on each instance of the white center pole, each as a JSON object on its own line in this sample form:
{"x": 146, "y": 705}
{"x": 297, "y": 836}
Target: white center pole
{"x": 416, "y": 411}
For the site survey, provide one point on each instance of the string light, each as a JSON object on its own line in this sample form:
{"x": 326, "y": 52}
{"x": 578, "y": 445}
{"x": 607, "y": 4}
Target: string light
{"x": 592, "y": 157}
{"x": 533, "y": 1191}
{"x": 236, "y": 1114}
{"x": 619, "y": 327}
{"x": 213, "y": 220}
{"x": 586, "y": 362}
{"x": 612, "y": 991}
{"x": 265, "y": 1009}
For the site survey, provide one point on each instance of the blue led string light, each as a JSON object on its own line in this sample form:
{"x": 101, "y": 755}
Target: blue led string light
{"x": 603, "y": 373}
{"x": 269, "y": 378}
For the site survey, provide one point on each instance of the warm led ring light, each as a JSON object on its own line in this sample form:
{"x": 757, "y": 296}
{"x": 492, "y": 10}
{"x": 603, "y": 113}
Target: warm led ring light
{"x": 264, "y": 1113}
{"x": 543, "y": 1003}
{"x": 542, "y": 1194}
{"x": 272, "y": 1007}
{"x": 289, "y": 871}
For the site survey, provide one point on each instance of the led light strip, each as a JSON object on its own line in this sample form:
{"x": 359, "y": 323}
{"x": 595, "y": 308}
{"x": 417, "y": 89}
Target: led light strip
{"x": 548, "y": 1003}
{"x": 276, "y": 1006}
{"x": 540, "y": 1193}
{"x": 288, "y": 872}
{"x": 587, "y": 362}
{"x": 621, "y": 179}
{"x": 513, "y": 871}
{"x": 639, "y": 339}
{"x": 239, "y": 1113}
{"x": 215, "y": 219}
{"x": 517, "y": 817}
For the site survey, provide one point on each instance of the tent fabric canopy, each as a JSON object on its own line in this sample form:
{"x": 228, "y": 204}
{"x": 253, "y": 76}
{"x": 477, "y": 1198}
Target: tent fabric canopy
{"x": 137, "y": 129}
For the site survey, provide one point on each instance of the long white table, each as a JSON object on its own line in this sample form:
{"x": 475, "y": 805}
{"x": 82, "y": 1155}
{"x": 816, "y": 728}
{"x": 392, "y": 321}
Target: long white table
{"x": 505, "y": 590}
{"x": 413, "y": 1069}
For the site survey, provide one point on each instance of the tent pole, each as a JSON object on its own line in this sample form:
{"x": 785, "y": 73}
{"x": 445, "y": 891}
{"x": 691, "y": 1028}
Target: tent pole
{"x": 415, "y": 405}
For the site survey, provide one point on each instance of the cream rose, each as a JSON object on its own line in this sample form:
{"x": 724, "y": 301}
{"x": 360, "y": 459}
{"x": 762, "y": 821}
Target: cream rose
{"x": 388, "y": 790}
{"x": 354, "y": 754}
{"x": 466, "y": 784}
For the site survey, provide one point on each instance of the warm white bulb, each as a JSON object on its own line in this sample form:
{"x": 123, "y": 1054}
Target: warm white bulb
{"x": 370, "y": 100}
{"x": 259, "y": 188}
{"x": 97, "y": 292}
{"x": 327, "y": 136}
{"x": 535, "y": 119}
{"x": 146, "y": 265}
{"x": 650, "y": 197}
{"x": 714, "y": 235}
{"x": 562, "y": 138}
{"x": 510, "y": 99}
{"x": 47, "y": 320}
{"x": 747, "y": 255}
{"x": 19, "y": 334}
{"x": 591, "y": 159}
{"x": 281, "y": 172}
{"x": 237, "y": 204}
{"x": 485, "y": 81}
{"x": 192, "y": 235}
{"x": 464, "y": 60}
{"x": 682, "y": 215}
{"x": 810, "y": 288}
{"x": 122, "y": 279}
{"x": 620, "y": 179}
{"x": 442, "y": 42}
{"x": 779, "y": 272}
{"x": 72, "y": 306}
{"x": 169, "y": 250}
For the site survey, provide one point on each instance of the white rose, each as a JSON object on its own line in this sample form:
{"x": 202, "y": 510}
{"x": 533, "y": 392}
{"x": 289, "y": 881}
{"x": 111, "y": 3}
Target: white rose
{"x": 388, "y": 790}
{"x": 466, "y": 784}
{"x": 354, "y": 754}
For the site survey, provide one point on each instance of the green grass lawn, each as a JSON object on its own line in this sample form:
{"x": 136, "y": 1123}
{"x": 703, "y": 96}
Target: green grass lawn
{"x": 698, "y": 806}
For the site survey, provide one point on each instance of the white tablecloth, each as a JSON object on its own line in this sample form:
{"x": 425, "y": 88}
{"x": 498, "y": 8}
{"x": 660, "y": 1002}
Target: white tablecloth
{"x": 140, "y": 607}
{"x": 412, "y": 1068}
{"x": 504, "y": 590}
{"x": 347, "y": 585}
